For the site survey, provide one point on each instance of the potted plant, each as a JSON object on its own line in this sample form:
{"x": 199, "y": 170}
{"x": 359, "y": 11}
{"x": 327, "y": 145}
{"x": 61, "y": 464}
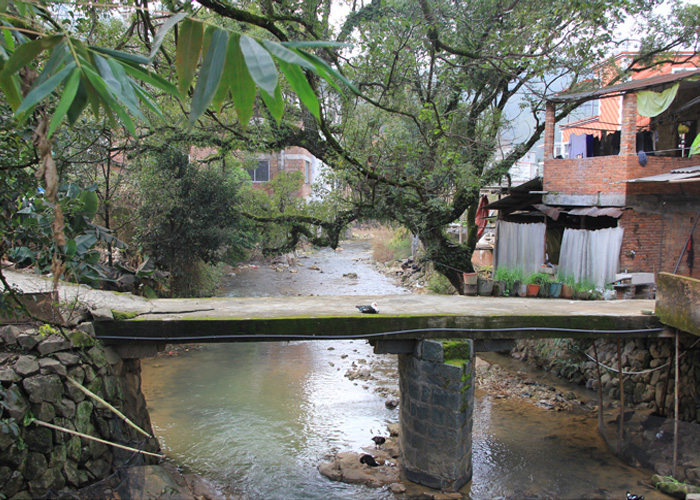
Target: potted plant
{"x": 567, "y": 287}
{"x": 535, "y": 282}
{"x": 584, "y": 290}
{"x": 555, "y": 287}
{"x": 510, "y": 279}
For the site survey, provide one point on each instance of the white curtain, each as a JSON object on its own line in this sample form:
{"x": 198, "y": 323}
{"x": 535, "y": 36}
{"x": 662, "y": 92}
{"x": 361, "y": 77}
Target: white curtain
{"x": 520, "y": 246}
{"x": 591, "y": 255}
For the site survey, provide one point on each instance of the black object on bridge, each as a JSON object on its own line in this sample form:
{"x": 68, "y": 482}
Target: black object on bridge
{"x": 379, "y": 441}
{"x": 369, "y": 460}
{"x": 632, "y": 496}
{"x": 373, "y": 308}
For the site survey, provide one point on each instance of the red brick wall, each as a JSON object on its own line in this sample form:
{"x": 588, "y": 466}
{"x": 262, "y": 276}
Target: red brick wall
{"x": 657, "y": 228}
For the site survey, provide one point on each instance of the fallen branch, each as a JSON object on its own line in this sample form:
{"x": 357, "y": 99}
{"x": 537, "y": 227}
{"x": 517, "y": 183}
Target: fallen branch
{"x": 109, "y": 406}
{"x": 80, "y": 434}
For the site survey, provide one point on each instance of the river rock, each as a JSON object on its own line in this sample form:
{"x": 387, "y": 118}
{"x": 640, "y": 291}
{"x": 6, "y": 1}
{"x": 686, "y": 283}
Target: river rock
{"x": 8, "y": 375}
{"x": 9, "y": 334}
{"x": 16, "y": 404}
{"x": 39, "y": 439}
{"x": 149, "y": 481}
{"x": 43, "y": 388}
{"x": 26, "y": 365}
{"x": 35, "y": 466}
{"x": 50, "y": 365}
{"x": 67, "y": 358}
{"x": 27, "y": 340}
{"x": 346, "y": 467}
{"x": 53, "y": 344}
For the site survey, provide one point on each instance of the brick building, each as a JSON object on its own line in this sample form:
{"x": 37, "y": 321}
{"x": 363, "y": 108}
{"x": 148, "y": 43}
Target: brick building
{"x": 629, "y": 200}
{"x": 269, "y": 165}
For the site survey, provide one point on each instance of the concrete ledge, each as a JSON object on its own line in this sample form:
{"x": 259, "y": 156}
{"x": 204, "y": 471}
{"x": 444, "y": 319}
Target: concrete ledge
{"x": 678, "y": 302}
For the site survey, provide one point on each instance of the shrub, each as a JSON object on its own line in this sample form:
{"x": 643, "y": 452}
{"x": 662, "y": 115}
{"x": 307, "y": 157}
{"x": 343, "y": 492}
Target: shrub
{"x": 440, "y": 284}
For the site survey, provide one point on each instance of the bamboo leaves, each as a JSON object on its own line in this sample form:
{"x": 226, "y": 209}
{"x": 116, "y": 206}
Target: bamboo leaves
{"x": 209, "y": 74}
{"x": 118, "y": 83}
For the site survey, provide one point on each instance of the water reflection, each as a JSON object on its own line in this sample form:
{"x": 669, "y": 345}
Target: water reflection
{"x": 260, "y": 417}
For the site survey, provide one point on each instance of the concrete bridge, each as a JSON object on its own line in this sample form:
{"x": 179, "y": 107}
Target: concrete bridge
{"x": 436, "y": 398}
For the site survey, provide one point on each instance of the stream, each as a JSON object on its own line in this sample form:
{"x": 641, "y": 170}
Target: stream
{"x": 260, "y": 417}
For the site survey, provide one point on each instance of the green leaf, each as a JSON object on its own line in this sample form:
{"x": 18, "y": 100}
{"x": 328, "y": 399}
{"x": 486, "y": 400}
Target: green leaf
{"x": 329, "y": 73}
{"x": 242, "y": 85}
{"x": 209, "y": 75}
{"x": 119, "y": 84}
{"x": 152, "y": 79}
{"x": 12, "y": 90}
{"x": 208, "y": 33}
{"x": 162, "y": 31}
{"x": 189, "y": 45}
{"x": 27, "y": 53}
{"x": 79, "y": 102}
{"x": 122, "y": 56}
{"x": 274, "y": 103}
{"x": 59, "y": 55}
{"x": 148, "y": 100}
{"x": 85, "y": 242}
{"x": 70, "y": 249}
{"x": 102, "y": 94}
{"x": 297, "y": 80}
{"x": 69, "y": 92}
{"x": 90, "y": 203}
{"x": 314, "y": 44}
{"x": 38, "y": 93}
{"x": 260, "y": 64}
{"x": 284, "y": 54}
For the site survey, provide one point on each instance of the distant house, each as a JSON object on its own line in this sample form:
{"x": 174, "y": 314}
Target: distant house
{"x": 288, "y": 160}
{"x": 626, "y": 197}
{"x": 269, "y": 165}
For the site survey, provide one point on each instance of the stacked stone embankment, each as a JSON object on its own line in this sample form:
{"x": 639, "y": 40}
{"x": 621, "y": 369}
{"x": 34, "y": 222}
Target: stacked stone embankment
{"x": 651, "y": 437}
{"x": 35, "y": 367}
{"x": 651, "y": 385}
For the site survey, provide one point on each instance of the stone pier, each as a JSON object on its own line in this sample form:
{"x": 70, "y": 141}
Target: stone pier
{"x": 436, "y": 415}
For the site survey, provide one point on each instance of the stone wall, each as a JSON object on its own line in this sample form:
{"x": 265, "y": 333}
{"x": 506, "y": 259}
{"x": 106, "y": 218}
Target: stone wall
{"x": 34, "y": 368}
{"x": 436, "y": 417}
{"x": 651, "y": 390}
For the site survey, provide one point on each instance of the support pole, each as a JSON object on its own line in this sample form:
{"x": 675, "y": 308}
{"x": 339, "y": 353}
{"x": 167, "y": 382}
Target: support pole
{"x": 621, "y": 423}
{"x": 675, "y": 408}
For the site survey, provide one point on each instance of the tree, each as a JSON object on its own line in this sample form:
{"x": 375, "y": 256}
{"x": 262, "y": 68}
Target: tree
{"x": 188, "y": 216}
{"x": 49, "y": 71}
{"x": 438, "y": 81}
{"x": 433, "y": 84}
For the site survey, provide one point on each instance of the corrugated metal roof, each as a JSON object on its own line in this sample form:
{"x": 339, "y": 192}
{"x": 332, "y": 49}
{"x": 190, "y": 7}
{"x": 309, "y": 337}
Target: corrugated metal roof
{"x": 653, "y": 82}
{"x": 597, "y": 212}
{"x": 687, "y": 174}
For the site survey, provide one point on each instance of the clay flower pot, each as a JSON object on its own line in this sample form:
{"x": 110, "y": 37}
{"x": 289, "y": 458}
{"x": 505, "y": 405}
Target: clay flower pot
{"x": 533, "y": 289}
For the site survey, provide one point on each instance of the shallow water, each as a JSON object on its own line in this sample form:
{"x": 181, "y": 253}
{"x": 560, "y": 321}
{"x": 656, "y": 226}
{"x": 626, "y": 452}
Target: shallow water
{"x": 260, "y": 416}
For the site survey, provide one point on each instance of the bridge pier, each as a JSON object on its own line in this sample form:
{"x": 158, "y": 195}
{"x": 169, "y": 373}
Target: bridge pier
{"x": 435, "y": 414}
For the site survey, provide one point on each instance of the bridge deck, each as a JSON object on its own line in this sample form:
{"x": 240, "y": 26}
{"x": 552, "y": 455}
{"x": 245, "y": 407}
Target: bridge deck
{"x": 400, "y": 317}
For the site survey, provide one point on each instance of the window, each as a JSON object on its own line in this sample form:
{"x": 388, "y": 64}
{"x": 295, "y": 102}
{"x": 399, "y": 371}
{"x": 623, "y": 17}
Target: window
{"x": 262, "y": 173}
{"x": 590, "y": 108}
{"x": 307, "y": 172}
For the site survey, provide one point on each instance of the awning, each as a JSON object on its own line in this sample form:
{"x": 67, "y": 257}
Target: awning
{"x": 656, "y": 83}
{"x": 687, "y": 174}
{"x": 555, "y": 212}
